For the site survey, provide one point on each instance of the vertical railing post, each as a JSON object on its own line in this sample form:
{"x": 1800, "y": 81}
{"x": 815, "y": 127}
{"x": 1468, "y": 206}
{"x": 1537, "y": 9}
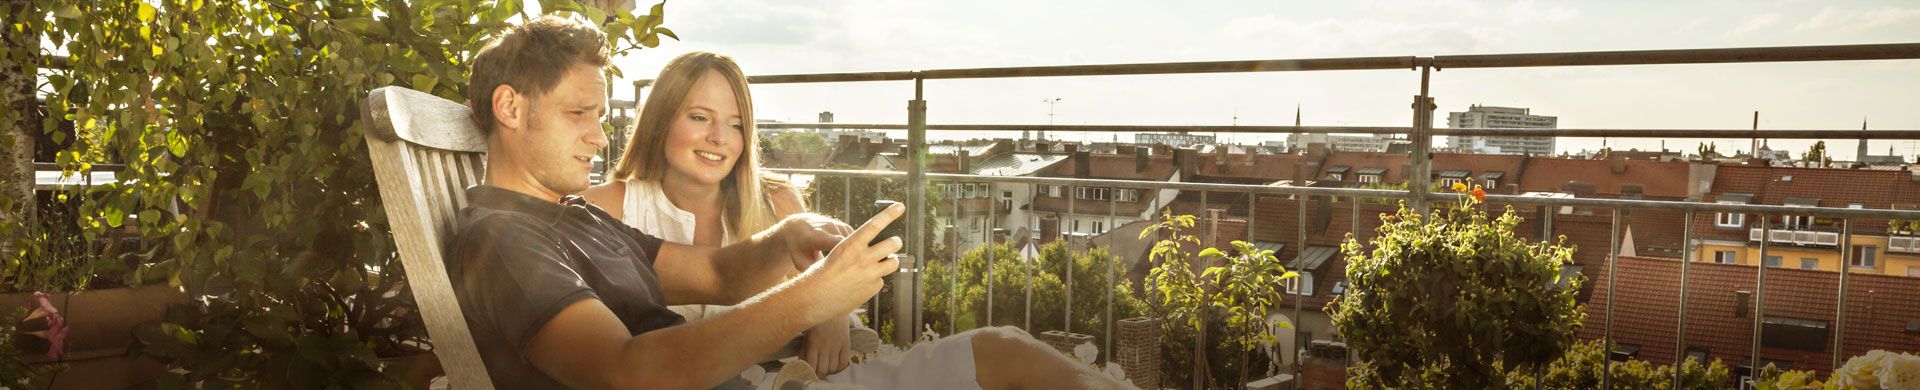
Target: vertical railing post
{"x": 1759, "y": 296}
{"x": 1112, "y": 257}
{"x": 1422, "y": 137}
{"x": 1066, "y": 318}
{"x": 916, "y": 188}
{"x": 993, "y": 199}
{"x": 1680, "y": 329}
{"x": 953, "y": 254}
{"x": 1299, "y": 253}
{"x": 1840, "y": 296}
{"x": 1613, "y": 261}
{"x": 1026, "y": 263}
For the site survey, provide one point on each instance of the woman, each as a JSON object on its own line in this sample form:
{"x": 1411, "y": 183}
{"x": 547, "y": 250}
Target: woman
{"x": 690, "y": 174}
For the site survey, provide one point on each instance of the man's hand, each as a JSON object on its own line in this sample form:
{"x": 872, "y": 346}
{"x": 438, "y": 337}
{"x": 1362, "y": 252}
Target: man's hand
{"x": 853, "y": 271}
{"x": 801, "y": 238}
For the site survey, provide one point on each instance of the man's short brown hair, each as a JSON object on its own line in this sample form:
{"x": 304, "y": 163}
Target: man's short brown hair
{"x": 531, "y": 58}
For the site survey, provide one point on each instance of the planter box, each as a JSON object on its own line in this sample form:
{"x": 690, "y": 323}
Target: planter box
{"x": 100, "y": 328}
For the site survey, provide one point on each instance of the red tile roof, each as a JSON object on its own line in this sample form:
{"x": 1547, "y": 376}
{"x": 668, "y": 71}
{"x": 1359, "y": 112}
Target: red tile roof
{"x": 1879, "y": 308}
{"x": 1658, "y": 180}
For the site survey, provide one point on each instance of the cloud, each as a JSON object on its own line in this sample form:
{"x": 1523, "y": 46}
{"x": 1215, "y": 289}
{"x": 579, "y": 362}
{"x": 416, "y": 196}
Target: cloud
{"x": 1527, "y": 11}
{"x": 1361, "y": 37}
{"x": 1859, "y": 20}
{"x": 1755, "y": 23}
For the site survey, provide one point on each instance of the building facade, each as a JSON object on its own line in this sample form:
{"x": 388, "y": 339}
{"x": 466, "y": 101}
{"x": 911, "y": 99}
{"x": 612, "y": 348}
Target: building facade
{"x": 1490, "y": 117}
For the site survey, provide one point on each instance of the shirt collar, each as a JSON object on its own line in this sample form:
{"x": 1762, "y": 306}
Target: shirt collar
{"x": 508, "y": 200}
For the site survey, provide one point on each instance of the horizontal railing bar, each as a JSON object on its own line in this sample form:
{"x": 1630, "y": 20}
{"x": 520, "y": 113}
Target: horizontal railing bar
{"x": 1648, "y": 133}
{"x": 1099, "y": 128}
{"x": 42, "y": 166}
{"x": 1283, "y": 65}
{"x": 1293, "y": 190}
{"x": 1892, "y": 51}
{"x": 1689, "y": 133}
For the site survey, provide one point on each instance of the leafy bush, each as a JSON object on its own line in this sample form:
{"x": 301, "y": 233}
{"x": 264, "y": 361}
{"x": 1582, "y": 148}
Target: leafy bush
{"x": 1580, "y": 368}
{"x": 1090, "y": 289}
{"x": 1450, "y": 299}
{"x": 246, "y": 115}
{"x": 1222, "y": 311}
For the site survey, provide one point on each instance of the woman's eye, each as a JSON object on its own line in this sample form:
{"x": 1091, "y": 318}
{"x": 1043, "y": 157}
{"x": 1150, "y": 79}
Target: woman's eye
{"x": 698, "y": 117}
{"x": 739, "y": 127}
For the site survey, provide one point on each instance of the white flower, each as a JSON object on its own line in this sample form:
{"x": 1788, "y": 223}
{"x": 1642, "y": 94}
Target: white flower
{"x": 1899, "y": 372}
{"x": 1086, "y": 352}
{"x": 1116, "y": 371}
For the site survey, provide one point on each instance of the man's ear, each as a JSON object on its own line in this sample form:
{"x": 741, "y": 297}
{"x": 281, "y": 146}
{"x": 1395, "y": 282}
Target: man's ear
{"x": 507, "y": 104}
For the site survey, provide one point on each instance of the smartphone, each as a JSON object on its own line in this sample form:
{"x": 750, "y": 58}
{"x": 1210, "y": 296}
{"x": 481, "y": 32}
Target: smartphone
{"x": 896, "y": 229}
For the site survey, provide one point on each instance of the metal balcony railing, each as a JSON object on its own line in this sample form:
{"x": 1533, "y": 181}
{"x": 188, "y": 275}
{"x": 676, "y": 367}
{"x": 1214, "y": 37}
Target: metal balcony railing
{"x": 1421, "y": 133}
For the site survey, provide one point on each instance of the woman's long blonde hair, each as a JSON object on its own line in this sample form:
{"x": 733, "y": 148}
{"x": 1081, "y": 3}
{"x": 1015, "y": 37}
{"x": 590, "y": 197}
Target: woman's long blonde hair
{"x": 645, "y": 158}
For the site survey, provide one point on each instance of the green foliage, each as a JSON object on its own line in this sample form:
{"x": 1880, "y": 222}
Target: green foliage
{"x": 1817, "y": 154}
{"x": 1774, "y": 379}
{"x": 851, "y": 199}
{"x": 1448, "y": 299}
{"x": 1580, "y": 368}
{"x": 245, "y": 115}
{"x": 1708, "y": 150}
{"x": 802, "y": 143}
{"x": 1010, "y": 277}
{"x": 1222, "y": 311}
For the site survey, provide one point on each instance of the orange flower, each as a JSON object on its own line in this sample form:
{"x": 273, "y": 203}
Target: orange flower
{"x": 1479, "y": 194}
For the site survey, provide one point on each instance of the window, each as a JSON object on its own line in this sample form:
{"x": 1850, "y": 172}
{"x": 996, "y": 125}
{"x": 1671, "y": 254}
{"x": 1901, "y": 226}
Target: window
{"x": 1099, "y": 226}
{"x": 1697, "y": 354}
{"x": 1794, "y": 333}
{"x": 1796, "y": 222}
{"x": 1491, "y": 184}
{"x": 1729, "y": 220}
{"x": 1724, "y": 257}
{"x": 1369, "y": 178}
{"x": 1305, "y": 279}
{"x": 1053, "y": 191}
{"x": 1448, "y": 182}
{"x": 1091, "y": 193}
{"x": 1336, "y": 177}
{"x": 1809, "y": 263}
{"x": 1863, "y": 257}
{"x": 1076, "y": 226}
{"x": 1127, "y": 194}
{"x": 1773, "y": 261}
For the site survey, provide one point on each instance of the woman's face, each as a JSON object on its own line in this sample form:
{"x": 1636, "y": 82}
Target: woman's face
{"x": 707, "y": 135}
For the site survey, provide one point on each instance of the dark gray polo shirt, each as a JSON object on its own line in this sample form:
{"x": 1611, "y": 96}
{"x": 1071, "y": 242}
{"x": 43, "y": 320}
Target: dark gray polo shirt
{"x": 517, "y": 260}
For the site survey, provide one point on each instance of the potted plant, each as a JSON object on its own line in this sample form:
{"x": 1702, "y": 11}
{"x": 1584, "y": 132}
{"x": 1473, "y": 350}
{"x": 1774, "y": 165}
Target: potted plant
{"x": 88, "y": 288}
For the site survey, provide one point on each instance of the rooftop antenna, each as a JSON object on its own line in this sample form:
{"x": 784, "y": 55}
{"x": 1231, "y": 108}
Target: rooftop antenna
{"x": 1042, "y": 134}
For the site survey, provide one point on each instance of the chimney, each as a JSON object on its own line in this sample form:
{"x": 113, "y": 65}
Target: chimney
{"x": 1049, "y": 229}
{"x": 826, "y": 117}
{"x": 1183, "y": 159}
{"x": 1081, "y": 167}
{"x": 1161, "y": 150}
{"x": 1071, "y": 147}
{"x": 847, "y": 139}
{"x": 1042, "y": 147}
{"x": 1252, "y": 153}
{"x": 1618, "y": 166}
{"x": 1124, "y": 149}
{"x": 1317, "y": 149}
{"x": 1139, "y": 160}
{"x": 1220, "y": 158}
{"x": 965, "y": 161}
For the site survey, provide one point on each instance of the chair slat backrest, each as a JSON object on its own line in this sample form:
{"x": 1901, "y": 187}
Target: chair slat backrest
{"x": 426, "y": 151}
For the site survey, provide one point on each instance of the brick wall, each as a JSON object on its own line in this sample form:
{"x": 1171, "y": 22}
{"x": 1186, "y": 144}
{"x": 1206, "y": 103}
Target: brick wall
{"x": 1138, "y": 351}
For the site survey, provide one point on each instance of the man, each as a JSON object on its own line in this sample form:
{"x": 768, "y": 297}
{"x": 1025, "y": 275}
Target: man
{"x": 559, "y": 294}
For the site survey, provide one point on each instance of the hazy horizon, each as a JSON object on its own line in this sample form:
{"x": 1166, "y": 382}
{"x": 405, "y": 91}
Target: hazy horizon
{"x": 771, "y": 37}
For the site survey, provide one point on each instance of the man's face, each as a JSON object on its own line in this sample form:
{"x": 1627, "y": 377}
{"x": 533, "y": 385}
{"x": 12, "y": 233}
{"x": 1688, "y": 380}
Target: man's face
{"x": 560, "y": 132}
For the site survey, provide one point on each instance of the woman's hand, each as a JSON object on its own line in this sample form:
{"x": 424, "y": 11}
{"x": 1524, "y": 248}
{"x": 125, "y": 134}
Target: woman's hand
{"x": 828, "y": 348}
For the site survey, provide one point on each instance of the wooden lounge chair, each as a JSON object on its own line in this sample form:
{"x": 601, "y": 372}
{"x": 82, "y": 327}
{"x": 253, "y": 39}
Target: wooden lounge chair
{"x": 426, "y": 151}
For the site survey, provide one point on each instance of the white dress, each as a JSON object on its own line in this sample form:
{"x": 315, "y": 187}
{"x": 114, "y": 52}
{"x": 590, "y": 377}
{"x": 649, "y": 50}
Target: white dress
{"x": 944, "y": 364}
{"x": 646, "y": 208}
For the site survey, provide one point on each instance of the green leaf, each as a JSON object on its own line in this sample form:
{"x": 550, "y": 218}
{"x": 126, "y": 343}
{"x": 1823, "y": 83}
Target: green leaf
{"x": 144, "y": 13}
{"x": 424, "y": 82}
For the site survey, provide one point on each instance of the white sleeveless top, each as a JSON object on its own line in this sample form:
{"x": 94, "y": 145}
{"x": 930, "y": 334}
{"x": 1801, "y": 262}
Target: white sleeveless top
{"x": 646, "y": 208}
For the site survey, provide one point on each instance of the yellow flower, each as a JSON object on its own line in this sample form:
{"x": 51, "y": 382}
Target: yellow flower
{"x": 1459, "y": 187}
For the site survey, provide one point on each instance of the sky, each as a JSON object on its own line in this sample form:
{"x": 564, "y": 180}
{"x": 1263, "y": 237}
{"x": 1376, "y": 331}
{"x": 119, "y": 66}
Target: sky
{"x": 786, "y": 37}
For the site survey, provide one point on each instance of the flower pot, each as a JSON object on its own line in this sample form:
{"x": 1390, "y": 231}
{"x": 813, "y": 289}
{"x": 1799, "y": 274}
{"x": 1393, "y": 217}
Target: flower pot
{"x": 100, "y": 328}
